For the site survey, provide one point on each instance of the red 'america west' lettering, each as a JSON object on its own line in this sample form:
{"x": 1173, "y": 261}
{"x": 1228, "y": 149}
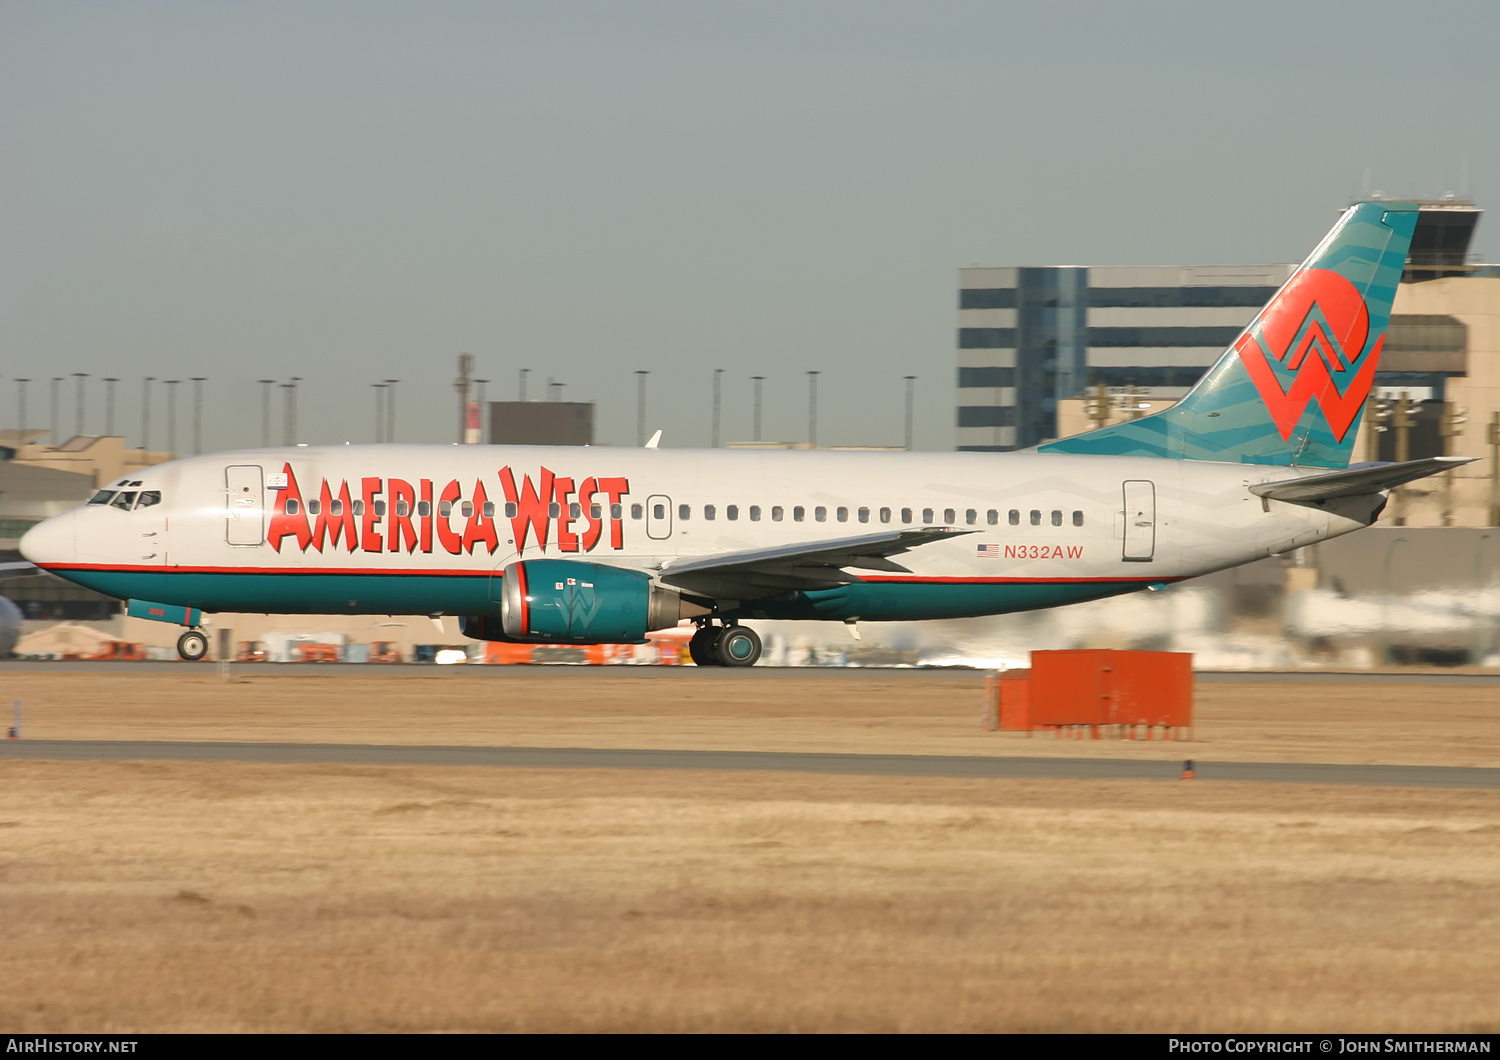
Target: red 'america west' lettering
{"x": 394, "y": 515}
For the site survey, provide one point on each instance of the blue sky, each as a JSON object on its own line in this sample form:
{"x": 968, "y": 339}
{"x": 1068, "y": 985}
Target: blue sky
{"x": 348, "y": 192}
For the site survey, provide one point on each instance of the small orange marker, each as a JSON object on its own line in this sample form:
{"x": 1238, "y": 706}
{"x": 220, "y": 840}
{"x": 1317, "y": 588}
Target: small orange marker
{"x": 1187, "y": 770}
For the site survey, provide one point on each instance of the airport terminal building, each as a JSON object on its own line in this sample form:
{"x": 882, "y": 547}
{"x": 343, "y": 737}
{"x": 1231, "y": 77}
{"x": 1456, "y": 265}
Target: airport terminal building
{"x": 1033, "y": 338}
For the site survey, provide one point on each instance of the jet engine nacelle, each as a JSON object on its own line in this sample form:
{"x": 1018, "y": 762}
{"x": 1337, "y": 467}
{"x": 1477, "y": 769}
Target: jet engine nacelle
{"x": 561, "y": 601}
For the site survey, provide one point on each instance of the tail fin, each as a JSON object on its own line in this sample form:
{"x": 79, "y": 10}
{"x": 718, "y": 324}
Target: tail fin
{"x": 1291, "y": 388}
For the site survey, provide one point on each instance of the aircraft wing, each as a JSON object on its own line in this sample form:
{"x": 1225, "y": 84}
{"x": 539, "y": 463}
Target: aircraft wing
{"x": 1371, "y": 478}
{"x": 18, "y": 569}
{"x": 807, "y": 565}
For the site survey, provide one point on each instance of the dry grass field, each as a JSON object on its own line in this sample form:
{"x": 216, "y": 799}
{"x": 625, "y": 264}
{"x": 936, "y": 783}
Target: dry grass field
{"x": 141, "y": 897}
{"x": 928, "y": 713}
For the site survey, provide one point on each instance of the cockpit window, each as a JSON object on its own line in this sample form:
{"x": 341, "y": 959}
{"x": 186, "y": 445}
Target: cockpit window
{"x": 123, "y": 501}
{"x": 102, "y": 497}
{"x": 148, "y": 498}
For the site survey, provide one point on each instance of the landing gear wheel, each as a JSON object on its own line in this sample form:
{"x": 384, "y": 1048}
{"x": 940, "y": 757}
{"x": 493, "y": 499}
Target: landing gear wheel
{"x": 739, "y": 646}
{"x": 192, "y": 645}
{"x": 704, "y": 647}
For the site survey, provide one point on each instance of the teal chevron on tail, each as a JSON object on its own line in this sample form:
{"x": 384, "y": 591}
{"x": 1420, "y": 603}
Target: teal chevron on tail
{"x": 1291, "y": 388}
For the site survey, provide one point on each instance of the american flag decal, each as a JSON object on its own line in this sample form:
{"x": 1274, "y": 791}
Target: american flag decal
{"x": 989, "y": 551}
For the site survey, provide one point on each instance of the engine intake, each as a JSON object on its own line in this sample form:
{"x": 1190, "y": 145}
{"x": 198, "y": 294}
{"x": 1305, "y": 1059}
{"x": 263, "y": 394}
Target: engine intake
{"x": 564, "y": 601}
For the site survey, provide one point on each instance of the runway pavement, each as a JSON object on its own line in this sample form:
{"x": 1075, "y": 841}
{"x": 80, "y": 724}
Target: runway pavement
{"x": 766, "y": 761}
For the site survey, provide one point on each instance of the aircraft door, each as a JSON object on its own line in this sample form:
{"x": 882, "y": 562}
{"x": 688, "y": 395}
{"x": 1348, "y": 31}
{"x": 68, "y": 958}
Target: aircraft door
{"x": 658, "y": 517}
{"x": 1140, "y": 521}
{"x": 245, "y": 505}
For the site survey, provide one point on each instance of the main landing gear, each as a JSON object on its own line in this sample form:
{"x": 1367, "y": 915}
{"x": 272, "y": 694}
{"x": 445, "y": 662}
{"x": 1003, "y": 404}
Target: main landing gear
{"x": 725, "y": 646}
{"x": 192, "y": 645}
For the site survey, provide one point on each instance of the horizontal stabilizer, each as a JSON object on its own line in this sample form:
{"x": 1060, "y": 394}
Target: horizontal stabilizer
{"x": 1362, "y": 479}
{"x": 804, "y": 566}
{"x": 18, "y": 570}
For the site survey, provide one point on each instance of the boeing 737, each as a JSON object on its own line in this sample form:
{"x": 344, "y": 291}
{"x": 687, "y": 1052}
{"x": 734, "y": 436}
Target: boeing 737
{"x": 585, "y": 545}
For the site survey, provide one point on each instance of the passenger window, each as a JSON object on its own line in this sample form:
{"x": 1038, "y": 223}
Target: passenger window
{"x": 336, "y": 507}
{"x": 575, "y": 510}
{"x": 637, "y": 511}
{"x": 292, "y": 507}
{"x": 151, "y": 497}
{"x": 1077, "y": 518}
{"x": 553, "y": 510}
{"x": 424, "y": 508}
{"x": 1056, "y": 518}
{"x": 403, "y": 509}
{"x": 906, "y": 515}
{"x": 799, "y": 513}
{"x": 950, "y": 516}
{"x": 313, "y": 507}
{"x": 776, "y": 514}
{"x": 864, "y": 515}
{"x": 755, "y": 513}
{"x": 358, "y": 507}
{"x": 1036, "y": 517}
{"x": 466, "y": 509}
{"x": 616, "y": 511}
{"x": 596, "y": 511}
{"x": 684, "y": 511}
{"x": 123, "y": 501}
{"x": 843, "y": 515}
{"x": 820, "y": 514}
{"x": 709, "y": 511}
{"x": 885, "y": 515}
{"x": 971, "y": 517}
{"x": 732, "y": 512}
{"x": 488, "y": 509}
{"x": 658, "y": 511}
{"x": 992, "y": 517}
{"x": 102, "y": 497}
{"x": 380, "y": 509}
{"x": 927, "y": 515}
{"x": 1014, "y": 518}
{"x": 445, "y": 508}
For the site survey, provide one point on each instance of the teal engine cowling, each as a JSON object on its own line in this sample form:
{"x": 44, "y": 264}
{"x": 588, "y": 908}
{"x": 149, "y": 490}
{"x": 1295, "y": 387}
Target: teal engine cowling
{"x": 561, "y": 601}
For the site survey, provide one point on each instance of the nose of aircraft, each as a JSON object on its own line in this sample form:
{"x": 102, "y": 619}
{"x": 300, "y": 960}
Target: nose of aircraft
{"x": 53, "y": 540}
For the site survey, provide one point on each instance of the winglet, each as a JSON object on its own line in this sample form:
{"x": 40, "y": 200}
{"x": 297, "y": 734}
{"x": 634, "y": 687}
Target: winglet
{"x": 655, "y": 441}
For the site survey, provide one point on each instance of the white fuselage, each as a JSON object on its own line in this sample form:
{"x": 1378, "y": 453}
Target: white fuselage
{"x": 425, "y": 529}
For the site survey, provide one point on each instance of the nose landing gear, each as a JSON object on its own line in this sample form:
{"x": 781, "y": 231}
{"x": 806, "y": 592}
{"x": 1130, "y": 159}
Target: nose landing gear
{"x": 192, "y": 645}
{"x": 725, "y": 646}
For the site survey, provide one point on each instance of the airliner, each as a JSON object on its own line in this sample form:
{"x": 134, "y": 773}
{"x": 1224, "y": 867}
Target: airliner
{"x": 585, "y": 545}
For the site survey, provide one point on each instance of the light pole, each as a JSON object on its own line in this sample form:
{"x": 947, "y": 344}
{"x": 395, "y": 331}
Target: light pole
{"x": 812, "y": 409}
{"x": 265, "y": 412}
{"x": 755, "y": 426}
{"x": 80, "y": 376}
{"x": 198, "y": 381}
{"x": 479, "y": 401}
{"x": 910, "y": 386}
{"x": 640, "y": 407}
{"x": 109, "y": 405}
{"x": 56, "y": 436}
{"x": 21, "y": 401}
{"x": 171, "y": 416}
{"x": 524, "y": 373}
{"x": 379, "y": 411}
{"x": 714, "y": 433}
{"x": 146, "y": 413}
{"x": 390, "y": 409}
{"x": 289, "y": 427}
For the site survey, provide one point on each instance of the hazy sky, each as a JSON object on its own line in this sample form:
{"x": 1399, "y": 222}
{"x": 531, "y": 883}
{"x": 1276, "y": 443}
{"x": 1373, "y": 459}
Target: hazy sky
{"x": 354, "y": 191}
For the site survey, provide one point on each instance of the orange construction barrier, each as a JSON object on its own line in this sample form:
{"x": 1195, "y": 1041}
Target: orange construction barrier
{"x": 1077, "y": 693}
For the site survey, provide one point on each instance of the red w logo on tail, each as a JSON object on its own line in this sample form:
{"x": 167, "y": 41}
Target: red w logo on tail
{"x": 1316, "y": 326}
